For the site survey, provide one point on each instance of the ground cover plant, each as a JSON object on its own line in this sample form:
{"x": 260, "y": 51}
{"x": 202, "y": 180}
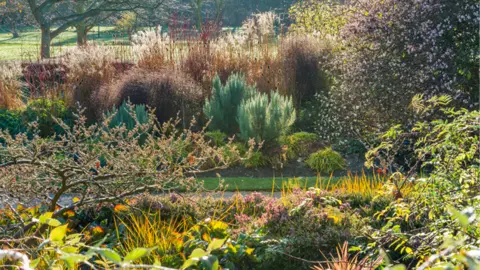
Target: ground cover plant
{"x": 342, "y": 135}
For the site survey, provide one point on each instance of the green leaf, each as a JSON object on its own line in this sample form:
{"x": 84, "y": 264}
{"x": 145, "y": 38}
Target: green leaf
{"x": 216, "y": 244}
{"x": 57, "y": 234}
{"x": 110, "y": 255}
{"x": 459, "y": 216}
{"x": 398, "y": 267}
{"x": 43, "y": 218}
{"x": 53, "y": 222}
{"x": 34, "y": 263}
{"x": 210, "y": 262}
{"x": 135, "y": 254}
{"x": 354, "y": 248}
{"x": 73, "y": 259}
{"x": 198, "y": 253}
{"x": 190, "y": 262}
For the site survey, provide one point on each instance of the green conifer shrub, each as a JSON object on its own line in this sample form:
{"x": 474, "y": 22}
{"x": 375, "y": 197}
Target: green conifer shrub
{"x": 264, "y": 119}
{"x": 124, "y": 115}
{"x": 223, "y": 105}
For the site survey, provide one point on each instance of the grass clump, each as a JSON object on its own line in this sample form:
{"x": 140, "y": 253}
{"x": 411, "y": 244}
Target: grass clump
{"x": 10, "y": 86}
{"x": 326, "y": 161}
{"x": 171, "y": 93}
{"x": 299, "y": 144}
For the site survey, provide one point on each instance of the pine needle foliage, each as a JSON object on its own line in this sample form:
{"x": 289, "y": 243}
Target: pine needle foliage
{"x": 264, "y": 118}
{"x": 222, "y": 107}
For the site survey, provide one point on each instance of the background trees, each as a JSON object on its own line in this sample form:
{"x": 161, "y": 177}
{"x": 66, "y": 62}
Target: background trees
{"x": 77, "y": 13}
{"x": 13, "y": 14}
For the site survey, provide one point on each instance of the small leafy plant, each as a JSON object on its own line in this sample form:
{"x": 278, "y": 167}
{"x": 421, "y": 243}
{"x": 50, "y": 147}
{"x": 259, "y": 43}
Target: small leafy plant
{"x": 217, "y": 137}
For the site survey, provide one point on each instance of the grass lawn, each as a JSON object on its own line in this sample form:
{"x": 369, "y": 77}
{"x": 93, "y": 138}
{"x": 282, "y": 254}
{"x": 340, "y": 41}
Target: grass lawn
{"x": 27, "y": 46}
{"x": 267, "y": 184}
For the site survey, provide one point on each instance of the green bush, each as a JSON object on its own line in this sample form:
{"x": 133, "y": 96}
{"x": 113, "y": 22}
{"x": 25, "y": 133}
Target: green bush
{"x": 299, "y": 144}
{"x": 11, "y": 121}
{"x": 350, "y": 146}
{"x": 217, "y": 137}
{"x": 223, "y": 105}
{"x": 256, "y": 160}
{"x": 265, "y": 120}
{"x": 44, "y": 111}
{"x": 326, "y": 161}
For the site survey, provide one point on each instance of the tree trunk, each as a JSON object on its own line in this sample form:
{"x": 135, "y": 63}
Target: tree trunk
{"x": 14, "y": 30}
{"x": 81, "y": 34}
{"x": 45, "y": 46}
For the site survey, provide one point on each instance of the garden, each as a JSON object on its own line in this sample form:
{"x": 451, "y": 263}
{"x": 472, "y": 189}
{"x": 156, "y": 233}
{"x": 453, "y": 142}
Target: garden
{"x": 317, "y": 135}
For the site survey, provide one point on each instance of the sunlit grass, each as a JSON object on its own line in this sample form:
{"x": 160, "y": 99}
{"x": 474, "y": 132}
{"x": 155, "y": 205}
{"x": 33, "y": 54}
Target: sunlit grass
{"x": 147, "y": 229}
{"x": 263, "y": 184}
{"x": 360, "y": 183}
{"x": 27, "y": 46}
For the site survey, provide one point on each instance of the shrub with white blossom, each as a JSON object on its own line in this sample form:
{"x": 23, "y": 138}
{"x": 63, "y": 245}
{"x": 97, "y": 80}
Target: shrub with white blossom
{"x": 388, "y": 51}
{"x": 101, "y": 163}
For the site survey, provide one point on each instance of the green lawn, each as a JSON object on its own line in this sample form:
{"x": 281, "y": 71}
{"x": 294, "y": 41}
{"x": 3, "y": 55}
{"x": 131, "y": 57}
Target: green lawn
{"x": 266, "y": 184}
{"x": 27, "y": 46}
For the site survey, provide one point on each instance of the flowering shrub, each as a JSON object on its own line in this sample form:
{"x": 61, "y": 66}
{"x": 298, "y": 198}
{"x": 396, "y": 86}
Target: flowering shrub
{"x": 100, "y": 163}
{"x": 398, "y": 49}
{"x": 385, "y": 52}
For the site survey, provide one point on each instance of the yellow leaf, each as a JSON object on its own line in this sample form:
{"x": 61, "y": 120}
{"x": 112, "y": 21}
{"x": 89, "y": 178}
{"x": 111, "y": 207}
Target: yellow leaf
{"x": 57, "y": 234}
